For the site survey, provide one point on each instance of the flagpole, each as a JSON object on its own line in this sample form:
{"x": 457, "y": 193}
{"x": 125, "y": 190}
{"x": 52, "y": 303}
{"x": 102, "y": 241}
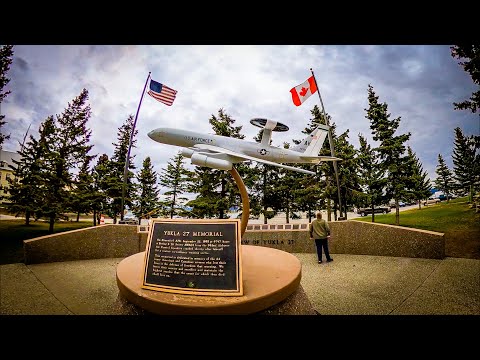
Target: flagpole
{"x": 127, "y": 160}
{"x": 330, "y": 140}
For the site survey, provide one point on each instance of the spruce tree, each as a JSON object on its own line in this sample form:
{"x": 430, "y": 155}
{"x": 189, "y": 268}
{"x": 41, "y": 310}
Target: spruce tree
{"x": 347, "y": 171}
{"x": 69, "y": 143}
{"x": 470, "y": 53}
{"x": 444, "y": 180}
{"x": 100, "y": 180}
{"x": 146, "y": 201}
{"x": 391, "y": 150}
{"x": 116, "y": 172}
{"x": 6, "y": 55}
{"x": 223, "y": 125}
{"x": 51, "y": 187}
{"x": 285, "y": 193}
{"x": 371, "y": 176}
{"x": 421, "y": 186}
{"x": 216, "y": 189}
{"x": 204, "y": 183}
{"x": 465, "y": 163}
{"x": 175, "y": 177}
{"x": 262, "y": 195}
{"x": 83, "y": 191}
{"x": 310, "y": 190}
{"x": 25, "y": 187}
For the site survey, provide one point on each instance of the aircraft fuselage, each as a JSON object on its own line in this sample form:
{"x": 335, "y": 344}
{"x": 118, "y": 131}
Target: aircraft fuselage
{"x": 186, "y": 138}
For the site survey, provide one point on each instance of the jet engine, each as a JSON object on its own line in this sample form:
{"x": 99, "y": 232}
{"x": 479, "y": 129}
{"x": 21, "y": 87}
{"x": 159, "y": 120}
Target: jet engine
{"x": 208, "y": 161}
{"x": 186, "y": 152}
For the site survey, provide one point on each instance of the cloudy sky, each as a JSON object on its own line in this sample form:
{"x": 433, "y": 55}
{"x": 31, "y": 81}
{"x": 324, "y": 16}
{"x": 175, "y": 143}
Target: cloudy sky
{"x": 419, "y": 83}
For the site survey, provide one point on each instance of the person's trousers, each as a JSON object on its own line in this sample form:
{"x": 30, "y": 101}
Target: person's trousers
{"x": 322, "y": 243}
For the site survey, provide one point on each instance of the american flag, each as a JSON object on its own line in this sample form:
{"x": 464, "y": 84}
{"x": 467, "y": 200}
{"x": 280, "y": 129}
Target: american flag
{"x": 162, "y": 93}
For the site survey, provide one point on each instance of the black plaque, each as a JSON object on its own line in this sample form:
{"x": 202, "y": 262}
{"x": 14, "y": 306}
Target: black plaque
{"x": 198, "y": 257}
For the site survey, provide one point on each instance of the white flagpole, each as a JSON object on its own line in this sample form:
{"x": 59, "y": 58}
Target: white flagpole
{"x": 330, "y": 140}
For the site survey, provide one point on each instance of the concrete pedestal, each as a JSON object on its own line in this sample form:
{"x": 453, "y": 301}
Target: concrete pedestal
{"x": 269, "y": 277}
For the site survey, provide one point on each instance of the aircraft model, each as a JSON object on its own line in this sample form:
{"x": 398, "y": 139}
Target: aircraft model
{"x": 221, "y": 152}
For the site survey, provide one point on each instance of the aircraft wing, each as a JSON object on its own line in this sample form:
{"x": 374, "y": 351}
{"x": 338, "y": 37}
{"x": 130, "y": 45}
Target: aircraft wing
{"x": 217, "y": 149}
{"x": 316, "y": 159}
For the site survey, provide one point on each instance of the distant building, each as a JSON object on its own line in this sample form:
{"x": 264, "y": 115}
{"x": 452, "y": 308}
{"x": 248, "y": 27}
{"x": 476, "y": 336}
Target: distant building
{"x": 6, "y": 172}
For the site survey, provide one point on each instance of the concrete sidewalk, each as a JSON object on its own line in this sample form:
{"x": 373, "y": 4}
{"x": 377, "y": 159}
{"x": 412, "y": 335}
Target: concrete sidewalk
{"x": 350, "y": 285}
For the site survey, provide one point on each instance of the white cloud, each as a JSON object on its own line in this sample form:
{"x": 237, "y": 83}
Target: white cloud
{"x": 419, "y": 83}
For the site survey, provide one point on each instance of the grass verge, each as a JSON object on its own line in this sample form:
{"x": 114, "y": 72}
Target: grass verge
{"x": 15, "y": 231}
{"x": 459, "y": 223}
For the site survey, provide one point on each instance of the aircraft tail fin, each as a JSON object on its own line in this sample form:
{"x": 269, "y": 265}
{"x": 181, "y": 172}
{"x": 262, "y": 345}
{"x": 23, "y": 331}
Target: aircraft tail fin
{"x": 311, "y": 145}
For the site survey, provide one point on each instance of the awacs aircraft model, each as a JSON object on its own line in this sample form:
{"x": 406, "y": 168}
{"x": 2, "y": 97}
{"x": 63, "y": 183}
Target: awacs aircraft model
{"x": 221, "y": 152}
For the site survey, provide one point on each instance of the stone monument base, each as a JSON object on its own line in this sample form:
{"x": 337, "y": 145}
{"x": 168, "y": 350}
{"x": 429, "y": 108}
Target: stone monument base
{"x": 271, "y": 285}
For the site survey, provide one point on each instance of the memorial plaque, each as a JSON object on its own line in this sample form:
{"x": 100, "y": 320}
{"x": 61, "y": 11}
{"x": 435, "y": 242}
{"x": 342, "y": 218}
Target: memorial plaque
{"x": 197, "y": 257}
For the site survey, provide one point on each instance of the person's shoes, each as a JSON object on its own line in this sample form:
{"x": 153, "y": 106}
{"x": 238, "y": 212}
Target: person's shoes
{"x": 320, "y": 261}
{"x": 329, "y": 260}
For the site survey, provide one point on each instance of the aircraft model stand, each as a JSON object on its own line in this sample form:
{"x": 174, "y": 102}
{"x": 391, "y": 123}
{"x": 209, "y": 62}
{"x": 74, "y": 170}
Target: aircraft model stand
{"x": 269, "y": 288}
{"x": 270, "y": 277}
{"x": 245, "y": 200}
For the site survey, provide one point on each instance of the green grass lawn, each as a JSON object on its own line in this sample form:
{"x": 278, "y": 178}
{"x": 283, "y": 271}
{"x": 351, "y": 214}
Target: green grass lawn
{"x": 459, "y": 223}
{"x": 15, "y": 231}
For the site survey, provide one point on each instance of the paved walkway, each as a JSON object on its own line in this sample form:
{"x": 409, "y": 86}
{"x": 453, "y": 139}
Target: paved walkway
{"x": 350, "y": 285}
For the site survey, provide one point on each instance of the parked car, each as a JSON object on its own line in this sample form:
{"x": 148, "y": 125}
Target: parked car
{"x": 443, "y": 197}
{"x": 377, "y": 210}
{"x": 129, "y": 218}
{"x": 430, "y": 201}
{"x": 128, "y": 221}
{"x": 400, "y": 204}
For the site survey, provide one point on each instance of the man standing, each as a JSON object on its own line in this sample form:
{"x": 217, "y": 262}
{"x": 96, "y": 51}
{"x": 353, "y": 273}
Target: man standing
{"x": 320, "y": 231}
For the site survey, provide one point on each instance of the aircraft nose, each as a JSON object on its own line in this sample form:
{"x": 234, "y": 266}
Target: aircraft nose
{"x": 155, "y": 134}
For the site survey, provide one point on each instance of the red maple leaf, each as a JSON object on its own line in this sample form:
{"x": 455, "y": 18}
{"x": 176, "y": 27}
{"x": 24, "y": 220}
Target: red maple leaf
{"x": 304, "y": 91}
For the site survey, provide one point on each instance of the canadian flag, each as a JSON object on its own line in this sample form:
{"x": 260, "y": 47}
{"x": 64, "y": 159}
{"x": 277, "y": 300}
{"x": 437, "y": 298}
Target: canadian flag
{"x": 302, "y": 92}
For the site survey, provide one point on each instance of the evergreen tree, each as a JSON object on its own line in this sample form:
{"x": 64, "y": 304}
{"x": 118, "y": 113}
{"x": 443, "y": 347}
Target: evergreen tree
{"x": 262, "y": 194}
{"x": 204, "y": 183}
{"x": 82, "y": 193}
{"x": 347, "y": 171}
{"x": 175, "y": 177}
{"x": 285, "y": 193}
{"x": 100, "y": 180}
{"x": 51, "y": 186}
{"x": 223, "y": 125}
{"x": 325, "y": 179}
{"x": 420, "y": 182}
{"x": 311, "y": 190}
{"x": 444, "y": 180}
{"x": 371, "y": 177}
{"x": 26, "y": 185}
{"x": 471, "y": 53}
{"x": 391, "y": 150}
{"x": 6, "y": 55}
{"x": 116, "y": 171}
{"x": 466, "y": 162}
{"x": 69, "y": 143}
{"x": 216, "y": 189}
{"x": 147, "y": 201}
